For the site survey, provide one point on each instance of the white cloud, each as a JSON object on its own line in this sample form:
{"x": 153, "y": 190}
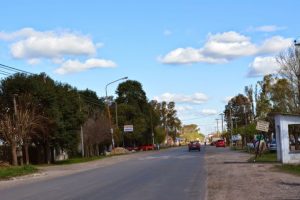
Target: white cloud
{"x": 183, "y": 108}
{"x": 275, "y": 44}
{"x": 28, "y": 43}
{"x": 56, "y": 46}
{"x": 72, "y": 66}
{"x": 223, "y": 47}
{"x": 196, "y": 98}
{"x": 22, "y": 33}
{"x": 34, "y": 61}
{"x": 188, "y": 55}
{"x": 52, "y": 46}
{"x": 262, "y": 66}
{"x": 167, "y": 32}
{"x": 267, "y": 28}
{"x": 209, "y": 112}
{"x": 228, "y": 45}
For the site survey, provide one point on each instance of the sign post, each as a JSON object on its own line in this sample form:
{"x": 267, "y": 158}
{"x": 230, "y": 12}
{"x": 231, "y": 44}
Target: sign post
{"x": 127, "y": 128}
{"x": 262, "y": 126}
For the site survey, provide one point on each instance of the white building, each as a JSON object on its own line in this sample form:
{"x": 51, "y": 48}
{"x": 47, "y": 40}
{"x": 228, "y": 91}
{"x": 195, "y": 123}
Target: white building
{"x": 286, "y": 152}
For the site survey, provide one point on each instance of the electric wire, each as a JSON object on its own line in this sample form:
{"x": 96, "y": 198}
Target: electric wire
{"x": 15, "y": 70}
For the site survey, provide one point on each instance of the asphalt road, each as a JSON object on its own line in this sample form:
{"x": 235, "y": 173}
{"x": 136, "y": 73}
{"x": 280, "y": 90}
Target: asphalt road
{"x": 168, "y": 174}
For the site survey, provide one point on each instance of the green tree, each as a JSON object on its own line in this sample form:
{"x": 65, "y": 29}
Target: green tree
{"x": 191, "y": 132}
{"x": 133, "y": 108}
{"x": 57, "y": 103}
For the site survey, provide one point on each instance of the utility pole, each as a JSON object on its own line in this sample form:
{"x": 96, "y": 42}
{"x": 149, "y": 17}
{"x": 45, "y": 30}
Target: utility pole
{"x": 297, "y": 45}
{"x": 152, "y": 127}
{"x": 116, "y": 107}
{"x": 231, "y": 124}
{"x": 222, "y": 118}
{"x": 81, "y": 129}
{"x": 217, "y": 126}
{"x": 15, "y": 105}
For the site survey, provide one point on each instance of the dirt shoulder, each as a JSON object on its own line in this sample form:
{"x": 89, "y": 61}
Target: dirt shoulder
{"x": 230, "y": 177}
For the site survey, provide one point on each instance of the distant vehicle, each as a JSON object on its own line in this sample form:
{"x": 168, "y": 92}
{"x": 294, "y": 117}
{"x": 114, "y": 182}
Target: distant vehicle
{"x": 194, "y": 145}
{"x": 213, "y": 143}
{"x": 220, "y": 143}
{"x": 132, "y": 148}
{"x": 146, "y": 147}
{"x": 273, "y": 146}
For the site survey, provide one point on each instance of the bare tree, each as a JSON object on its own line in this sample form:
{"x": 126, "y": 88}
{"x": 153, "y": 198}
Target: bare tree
{"x": 17, "y": 129}
{"x": 10, "y": 134}
{"x": 290, "y": 70}
{"x": 28, "y": 121}
{"x": 96, "y": 132}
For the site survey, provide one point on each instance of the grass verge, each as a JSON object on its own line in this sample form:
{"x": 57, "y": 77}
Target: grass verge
{"x": 265, "y": 158}
{"x": 9, "y": 172}
{"x": 292, "y": 169}
{"x": 78, "y": 160}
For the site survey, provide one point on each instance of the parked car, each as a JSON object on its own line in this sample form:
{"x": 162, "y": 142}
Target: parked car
{"x": 194, "y": 145}
{"x": 273, "y": 146}
{"x": 220, "y": 143}
{"x": 146, "y": 147}
{"x": 132, "y": 148}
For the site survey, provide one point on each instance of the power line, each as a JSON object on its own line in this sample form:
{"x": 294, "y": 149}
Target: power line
{"x": 15, "y": 70}
{"x": 5, "y": 74}
{"x": 11, "y": 70}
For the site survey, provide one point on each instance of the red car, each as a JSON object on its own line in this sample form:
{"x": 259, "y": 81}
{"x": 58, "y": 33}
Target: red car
{"x": 194, "y": 146}
{"x": 146, "y": 147}
{"x": 220, "y": 143}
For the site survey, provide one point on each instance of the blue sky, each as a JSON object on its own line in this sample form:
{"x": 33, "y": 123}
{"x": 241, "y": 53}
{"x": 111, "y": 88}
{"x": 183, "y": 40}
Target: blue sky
{"x": 196, "y": 53}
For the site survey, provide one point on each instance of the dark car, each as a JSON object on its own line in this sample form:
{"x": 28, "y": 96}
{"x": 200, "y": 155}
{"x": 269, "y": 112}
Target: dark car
{"x": 213, "y": 143}
{"x": 220, "y": 143}
{"x": 273, "y": 146}
{"x": 195, "y": 145}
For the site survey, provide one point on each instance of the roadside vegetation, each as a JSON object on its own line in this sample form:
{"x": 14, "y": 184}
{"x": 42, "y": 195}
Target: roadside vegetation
{"x": 292, "y": 169}
{"x": 269, "y": 157}
{"x": 41, "y": 120}
{"x": 275, "y": 93}
{"x": 9, "y": 172}
{"x": 78, "y": 160}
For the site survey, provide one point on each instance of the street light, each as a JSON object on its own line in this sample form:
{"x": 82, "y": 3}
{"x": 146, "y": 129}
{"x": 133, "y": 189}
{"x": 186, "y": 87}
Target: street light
{"x": 108, "y": 111}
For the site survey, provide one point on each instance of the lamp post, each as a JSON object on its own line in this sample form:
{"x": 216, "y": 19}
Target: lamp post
{"x": 108, "y": 111}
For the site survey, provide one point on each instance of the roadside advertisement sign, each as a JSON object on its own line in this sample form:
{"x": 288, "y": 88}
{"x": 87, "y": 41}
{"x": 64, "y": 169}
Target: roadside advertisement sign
{"x": 262, "y": 126}
{"x": 128, "y": 128}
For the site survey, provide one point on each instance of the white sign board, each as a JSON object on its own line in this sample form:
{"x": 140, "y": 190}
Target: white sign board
{"x": 262, "y": 126}
{"x": 237, "y": 137}
{"x": 128, "y": 128}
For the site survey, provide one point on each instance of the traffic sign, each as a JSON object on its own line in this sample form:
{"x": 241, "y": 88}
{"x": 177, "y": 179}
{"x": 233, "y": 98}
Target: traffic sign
{"x": 262, "y": 126}
{"x": 128, "y": 128}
